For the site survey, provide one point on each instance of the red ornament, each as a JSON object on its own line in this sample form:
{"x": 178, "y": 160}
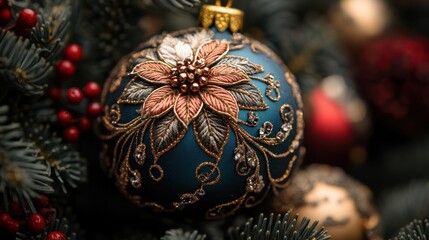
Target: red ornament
{"x": 74, "y": 96}
{"x": 85, "y": 124}
{"x": 15, "y": 209}
{"x": 64, "y": 117}
{"x": 392, "y": 72}
{"x": 65, "y": 69}
{"x": 328, "y": 132}
{"x": 94, "y": 109}
{"x": 92, "y": 90}
{"x": 56, "y": 236}
{"x": 54, "y": 93}
{"x": 73, "y": 52}
{"x": 71, "y": 134}
{"x": 36, "y": 223}
{"x": 5, "y": 15}
{"x": 27, "y": 18}
{"x": 42, "y": 201}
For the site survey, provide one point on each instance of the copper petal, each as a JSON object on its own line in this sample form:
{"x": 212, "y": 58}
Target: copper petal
{"x": 212, "y": 51}
{"x": 187, "y": 107}
{"x": 220, "y": 100}
{"x": 159, "y": 102}
{"x": 227, "y": 76}
{"x": 155, "y": 72}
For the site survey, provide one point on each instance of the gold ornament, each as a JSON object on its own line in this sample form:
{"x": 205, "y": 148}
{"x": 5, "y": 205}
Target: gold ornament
{"x": 222, "y": 17}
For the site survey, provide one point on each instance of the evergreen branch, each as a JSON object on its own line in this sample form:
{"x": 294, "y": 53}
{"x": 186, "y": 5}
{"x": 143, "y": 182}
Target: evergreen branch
{"x": 416, "y": 230}
{"x": 179, "y": 234}
{"x": 21, "y": 65}
{"x": 65, "y": 165}
{"x": 279, "y": 228}
{"x": 51, "y": 31}
{"x": 23, "y": 174}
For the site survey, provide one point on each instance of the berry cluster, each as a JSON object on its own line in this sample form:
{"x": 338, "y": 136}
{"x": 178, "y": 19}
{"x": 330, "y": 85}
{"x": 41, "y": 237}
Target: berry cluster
{"x": 19, "y": 219}
{"x": 74, "y": 96}
{"x": 27, "y": 18}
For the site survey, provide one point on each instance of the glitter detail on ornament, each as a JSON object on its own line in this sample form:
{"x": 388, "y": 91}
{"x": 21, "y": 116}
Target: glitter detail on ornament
{"x": 140, "y": 154}
{"x": 252, "y": 118}
{"x": 265, "y": 130}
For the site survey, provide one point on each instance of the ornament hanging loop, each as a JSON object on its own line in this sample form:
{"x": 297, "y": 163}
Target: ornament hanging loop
{"x": 228, "y": 4}
{"x": 222, "y": 17}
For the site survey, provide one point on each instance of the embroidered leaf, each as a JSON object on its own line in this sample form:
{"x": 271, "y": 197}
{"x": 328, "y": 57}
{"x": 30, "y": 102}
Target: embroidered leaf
{"x": 241, "y": 63}
{"x": 248, "y": 96}
{"x": 187, "y": 107}
{"x": 212, "y": 51}
{"x": 227, "y": 76}
{"x": 198, "y": 38}
{"x": 153, "y": 71}
{"x": 150, "y": 54}
{"x": 211, "y": 131}
{"x": 173, "y": 49}
{"x": 220, "y": 100}
{"x": 159, "y": 102}
{"x": 165, "y": 133}
{"x": 136, "y": 92}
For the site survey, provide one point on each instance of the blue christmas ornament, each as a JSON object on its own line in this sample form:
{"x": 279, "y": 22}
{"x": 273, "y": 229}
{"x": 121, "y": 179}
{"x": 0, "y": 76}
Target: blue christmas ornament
{"x": 203, "y": 121}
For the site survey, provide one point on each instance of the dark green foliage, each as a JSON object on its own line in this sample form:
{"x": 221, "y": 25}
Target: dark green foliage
{"x": 416, "y": 230}
{"x": 278, "y": 228}
{"x": 180, "y": 234}
{"x": 21, "y": 65}
{"x": 50, "y": 33}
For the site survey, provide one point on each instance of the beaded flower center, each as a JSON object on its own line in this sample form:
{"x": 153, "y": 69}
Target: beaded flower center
{"x": 189, "y": 77}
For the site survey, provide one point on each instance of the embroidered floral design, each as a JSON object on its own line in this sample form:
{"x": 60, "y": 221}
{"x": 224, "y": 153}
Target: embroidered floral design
{"x": 192, "y": 77}
{"x": 188, "y": 81}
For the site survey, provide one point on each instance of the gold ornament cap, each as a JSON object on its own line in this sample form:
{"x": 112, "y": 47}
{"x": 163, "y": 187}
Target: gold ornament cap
{"x": 222, "y": 17}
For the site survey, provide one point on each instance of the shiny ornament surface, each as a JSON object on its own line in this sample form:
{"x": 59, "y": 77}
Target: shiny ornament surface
{"x": 202, "y": 122}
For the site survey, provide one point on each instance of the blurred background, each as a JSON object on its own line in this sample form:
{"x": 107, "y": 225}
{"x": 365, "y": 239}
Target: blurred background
{"x": 363, "y": 70}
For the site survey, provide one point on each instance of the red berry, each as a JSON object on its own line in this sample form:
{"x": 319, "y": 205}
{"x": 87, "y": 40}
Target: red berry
{"x": 56, "y": 236}
{"x": 73, "y": 52}
{"x": 15, "y": 209}
{"x": 42, "y": 201}
{"x": 27, "y": 18}
{"x": 2, "y": 3}
{"x": 36, "y": 223}
{"x": 85, "y": 124}
{"x": 71, "y": 134}
{"x": 65, "y": 69}
{"x": 11, "y": 226}
{"x": 47, "y": 213}
{"x": 74, "y": 96}
{"x": 92, "y": 90}
{"x": 5, "y": 15}
{"x": 4, "y": 219}
{"x": 64, "y": 117}
{"x": 54, "y": 93}
{"x": 94, "y": 109}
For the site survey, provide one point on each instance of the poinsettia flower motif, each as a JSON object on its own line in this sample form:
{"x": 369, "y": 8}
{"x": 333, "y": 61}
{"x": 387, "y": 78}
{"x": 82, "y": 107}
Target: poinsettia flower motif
{"x": 193, "y": 72}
